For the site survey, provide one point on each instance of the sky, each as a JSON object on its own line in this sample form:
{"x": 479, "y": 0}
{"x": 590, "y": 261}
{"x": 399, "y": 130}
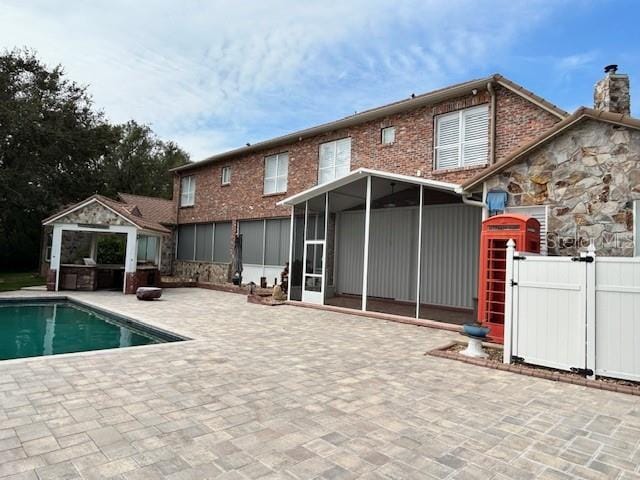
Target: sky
{"x": 213, "y": 75}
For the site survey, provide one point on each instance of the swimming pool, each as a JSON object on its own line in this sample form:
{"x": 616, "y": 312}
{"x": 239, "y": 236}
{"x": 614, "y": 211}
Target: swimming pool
{"x": 33, "y": 328}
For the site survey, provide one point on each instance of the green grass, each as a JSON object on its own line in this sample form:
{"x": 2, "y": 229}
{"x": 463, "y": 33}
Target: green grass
{"x": 16, "y": 280}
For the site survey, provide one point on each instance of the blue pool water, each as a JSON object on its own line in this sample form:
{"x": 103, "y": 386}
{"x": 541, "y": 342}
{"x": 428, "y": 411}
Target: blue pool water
{"x": 32, "y": 329}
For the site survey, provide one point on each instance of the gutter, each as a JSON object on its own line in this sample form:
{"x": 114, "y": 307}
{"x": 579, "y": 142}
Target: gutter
{"x": 410, "y": 103}
{"x": 467, "y": 200}
{"x": 492, "y": 127}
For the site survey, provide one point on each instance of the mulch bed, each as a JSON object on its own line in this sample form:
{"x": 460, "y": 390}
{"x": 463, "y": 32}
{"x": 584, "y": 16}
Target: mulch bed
{"x": 452, "y": 351}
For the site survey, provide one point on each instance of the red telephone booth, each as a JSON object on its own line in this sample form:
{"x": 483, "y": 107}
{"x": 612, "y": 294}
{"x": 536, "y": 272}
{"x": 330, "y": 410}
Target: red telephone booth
{"x": 496, "y": 232}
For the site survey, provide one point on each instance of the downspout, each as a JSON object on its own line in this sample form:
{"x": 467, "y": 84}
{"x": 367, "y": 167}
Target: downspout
{"x": 466, "y": 199}
{"x": 492, "y": 126}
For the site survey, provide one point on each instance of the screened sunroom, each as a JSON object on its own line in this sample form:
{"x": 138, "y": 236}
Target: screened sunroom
{"x": 381, "y": 242}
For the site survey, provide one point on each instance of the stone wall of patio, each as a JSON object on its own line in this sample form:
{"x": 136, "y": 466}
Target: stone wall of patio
{"x": 202, "y": 272}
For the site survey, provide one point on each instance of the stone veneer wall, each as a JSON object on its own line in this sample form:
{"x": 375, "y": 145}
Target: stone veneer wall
{"x": 167, "y": 252}
{"x": 203, "y": 272}
{"x": 94, "y": 213}
{"x": 589, "y": 177}
{"x": 75, "y": 246}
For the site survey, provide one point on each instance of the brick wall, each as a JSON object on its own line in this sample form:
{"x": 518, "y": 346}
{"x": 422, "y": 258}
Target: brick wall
{"x": 518, "y": 122}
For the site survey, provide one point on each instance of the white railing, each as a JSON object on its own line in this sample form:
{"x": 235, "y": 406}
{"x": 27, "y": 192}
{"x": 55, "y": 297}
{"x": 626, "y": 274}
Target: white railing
{"x": 580, "y": 313}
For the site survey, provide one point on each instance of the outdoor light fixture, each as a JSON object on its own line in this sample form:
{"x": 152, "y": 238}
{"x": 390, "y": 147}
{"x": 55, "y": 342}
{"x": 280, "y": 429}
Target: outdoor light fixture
{"x": 391, "y": 204}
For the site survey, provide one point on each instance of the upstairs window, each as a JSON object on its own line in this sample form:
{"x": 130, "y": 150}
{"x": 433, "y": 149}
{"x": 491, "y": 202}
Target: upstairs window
{"x": 187, "y": 191}
{"x": 276, "y": 169}
{"x": 226, "y": 175}
{"x": 335, "y": 160}
{"x": 388, "y": 135}
{"x": 462, "y": 138}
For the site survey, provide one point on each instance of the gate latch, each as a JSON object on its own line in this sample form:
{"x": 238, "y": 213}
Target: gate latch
{"x": 587, "y": 372}
{"x": 587, "y": 259}
{"x": 514, "y": 283}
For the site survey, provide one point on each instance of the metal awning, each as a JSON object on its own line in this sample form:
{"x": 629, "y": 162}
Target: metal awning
{"x": 361, "y": 173}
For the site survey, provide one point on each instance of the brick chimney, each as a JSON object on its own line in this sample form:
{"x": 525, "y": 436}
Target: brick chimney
{"x": 611, "y": 94}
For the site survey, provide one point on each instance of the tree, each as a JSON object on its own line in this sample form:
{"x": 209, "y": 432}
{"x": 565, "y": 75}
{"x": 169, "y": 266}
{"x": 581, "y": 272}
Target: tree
{"x": 139, "y": 163}
{"x": 56, "y": 149}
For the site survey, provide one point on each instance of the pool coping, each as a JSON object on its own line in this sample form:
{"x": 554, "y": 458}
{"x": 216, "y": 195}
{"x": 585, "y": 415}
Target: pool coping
{"x": 144, "y": 326}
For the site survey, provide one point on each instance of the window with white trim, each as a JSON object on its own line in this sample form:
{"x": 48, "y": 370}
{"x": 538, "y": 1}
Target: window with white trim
{"x": 276, "y": 170}
{"x": 147, "y": 249}
{"x": 540, "y": 213}
{"x": 187, "y": 191}
{"x": 334, "y": 160}
{"x": 462, "y": 138}
{"x": 226, "y": 175}
{"x": 388, "y": 135}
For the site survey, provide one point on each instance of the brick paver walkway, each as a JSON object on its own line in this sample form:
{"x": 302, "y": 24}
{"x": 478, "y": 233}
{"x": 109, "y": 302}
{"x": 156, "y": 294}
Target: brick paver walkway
{"x": 292, "y": 393}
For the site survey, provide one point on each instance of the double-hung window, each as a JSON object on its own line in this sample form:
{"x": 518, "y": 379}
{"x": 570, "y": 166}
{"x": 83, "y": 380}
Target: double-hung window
{"x": 188, "y": 191}
{"x": 335, "y": 160}
{"x": 462, "y": 138}
{"x": 388, "y": 135}
{"x": 226, "y": 175}
{"x": 276, "y": 168}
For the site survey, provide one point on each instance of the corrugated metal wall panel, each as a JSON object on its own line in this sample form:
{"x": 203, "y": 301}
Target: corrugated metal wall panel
{"x": 393, "y": 253}
{"x": 350, "y": 246}
{"x": 451, "y": 237}
{"x": 450, "y": 245}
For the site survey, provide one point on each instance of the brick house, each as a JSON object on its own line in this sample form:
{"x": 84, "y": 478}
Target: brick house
{"x": 422, "y": 147}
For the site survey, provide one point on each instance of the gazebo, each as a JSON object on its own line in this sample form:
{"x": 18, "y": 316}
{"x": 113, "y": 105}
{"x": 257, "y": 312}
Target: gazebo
{"x": 76, "y": 233}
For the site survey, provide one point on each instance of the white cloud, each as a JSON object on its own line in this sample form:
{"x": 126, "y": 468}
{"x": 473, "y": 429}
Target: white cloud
{"x": 214, "y": 75}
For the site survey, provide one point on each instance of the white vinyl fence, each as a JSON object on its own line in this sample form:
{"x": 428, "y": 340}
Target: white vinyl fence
{"x": 580, "y": 314}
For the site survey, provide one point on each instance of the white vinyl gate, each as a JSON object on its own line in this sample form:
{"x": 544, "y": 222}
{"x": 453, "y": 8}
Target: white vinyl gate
{"x": 580, "y": 314}
{"x": 549, "y": 304}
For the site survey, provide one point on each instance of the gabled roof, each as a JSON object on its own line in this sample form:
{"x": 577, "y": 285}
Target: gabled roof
{"x": 414, "y": 101}
{"x": 363, "y": 173}
{"x": 156, "y": 209}
{"x": 129, "y": 212}
{"x": 583, "y": 113}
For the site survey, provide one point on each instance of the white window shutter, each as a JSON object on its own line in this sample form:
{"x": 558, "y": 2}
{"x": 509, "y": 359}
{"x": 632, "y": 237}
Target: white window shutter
{"x": 448, "y": 141}
{"x": 475, "y": 148}
{"x": 539, "y": 212}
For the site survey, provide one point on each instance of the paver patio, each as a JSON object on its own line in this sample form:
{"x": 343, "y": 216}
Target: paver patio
{"x": 293, "y": 393}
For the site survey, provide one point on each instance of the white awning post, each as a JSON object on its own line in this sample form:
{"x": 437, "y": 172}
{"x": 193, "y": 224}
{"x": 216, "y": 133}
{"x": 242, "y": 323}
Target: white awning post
{"x": 56, "y": 251}
{"x": 291, "y": 239}
{"x": 419, "y": 269}
{"x": 508, "y": 302}
{"x": 367, "y": 220}
{"x": 324, "y": 247}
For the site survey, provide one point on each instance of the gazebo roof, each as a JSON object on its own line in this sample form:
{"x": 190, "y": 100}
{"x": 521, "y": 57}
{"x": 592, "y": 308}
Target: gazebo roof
{"x": 129, "y": 212}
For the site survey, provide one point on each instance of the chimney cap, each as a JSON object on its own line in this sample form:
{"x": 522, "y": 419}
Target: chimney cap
{"x": 613, "y": 68}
